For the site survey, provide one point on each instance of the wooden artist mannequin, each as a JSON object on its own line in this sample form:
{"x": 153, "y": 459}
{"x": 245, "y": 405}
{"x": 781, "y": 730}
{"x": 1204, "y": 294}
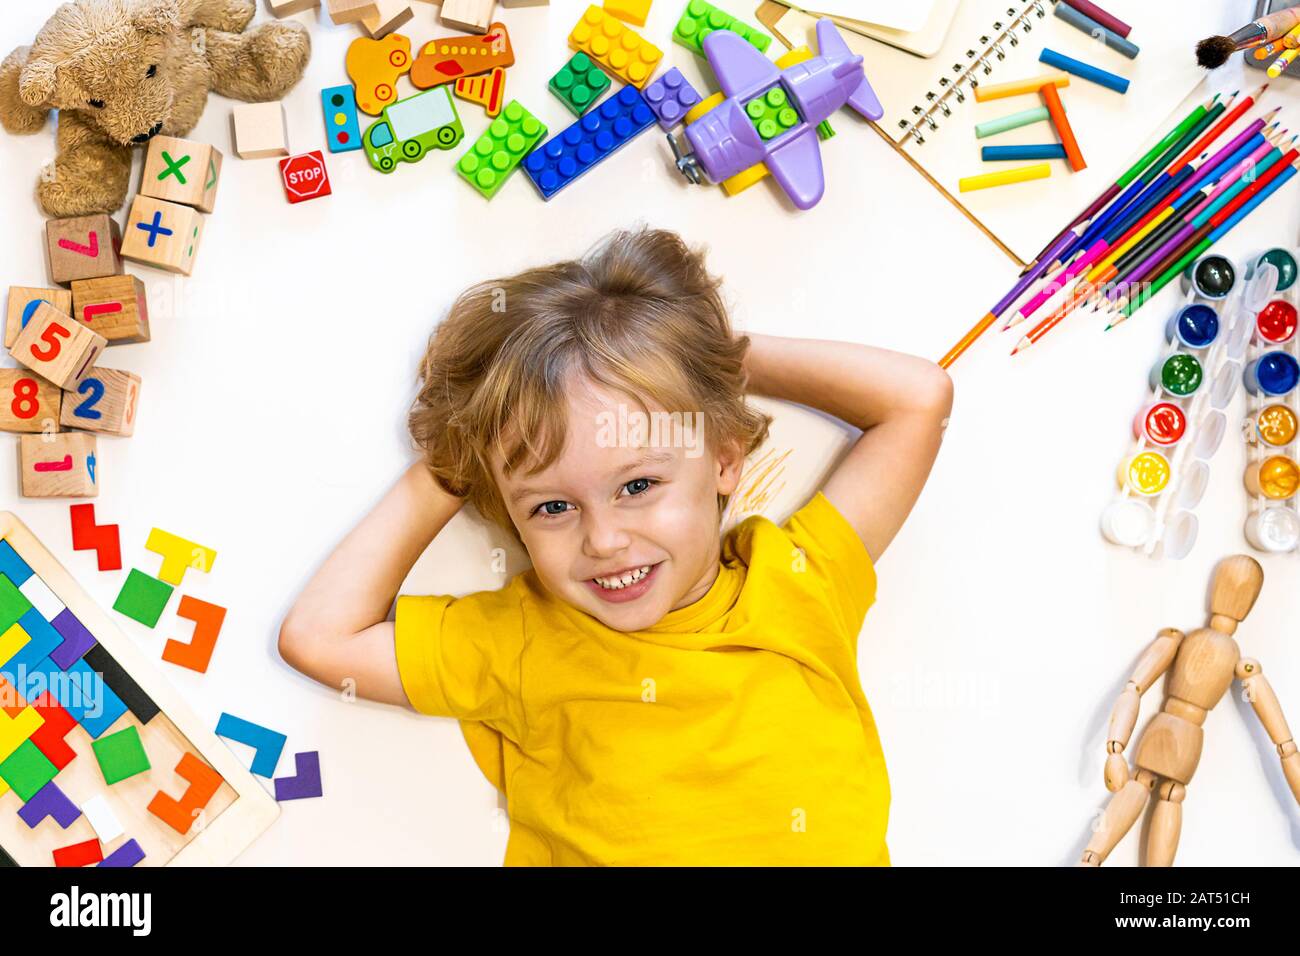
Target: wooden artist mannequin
{"x": 1203, "y": 665}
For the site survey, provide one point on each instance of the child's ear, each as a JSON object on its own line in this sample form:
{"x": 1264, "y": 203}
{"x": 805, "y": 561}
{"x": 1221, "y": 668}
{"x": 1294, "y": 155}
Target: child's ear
{"x": 730, "y": 460}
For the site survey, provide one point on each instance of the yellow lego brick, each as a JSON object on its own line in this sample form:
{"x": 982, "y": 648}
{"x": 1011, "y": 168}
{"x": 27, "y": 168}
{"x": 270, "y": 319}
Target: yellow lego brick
{"x": 179, "y": 555}
{"x": 703, "y": 106}
{"x": 11, "y": 642}
{"x": 744, "y": 179}
{"x": 618, "y": 49}
{"x": 15, "y": 730}
{"x": 793, "y": 58}
{"x": 630, "y": 11}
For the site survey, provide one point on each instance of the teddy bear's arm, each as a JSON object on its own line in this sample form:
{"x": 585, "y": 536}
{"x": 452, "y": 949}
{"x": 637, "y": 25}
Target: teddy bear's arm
{"x": 15, "y": 115}
{"x": 232, "y": 16}
{"x": 90, "y": 174}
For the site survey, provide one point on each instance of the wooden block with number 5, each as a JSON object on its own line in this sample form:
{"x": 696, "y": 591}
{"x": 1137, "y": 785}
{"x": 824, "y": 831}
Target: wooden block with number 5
{"x": 104, "y": 401}
{"x": 59, "y": 466}
{"x": 23, "y": 302}
{"x": 161, "y": 234}
{"x": 55, "y": 346}
{"x": 28, "y": 403}
{"x": 115, "y": 307}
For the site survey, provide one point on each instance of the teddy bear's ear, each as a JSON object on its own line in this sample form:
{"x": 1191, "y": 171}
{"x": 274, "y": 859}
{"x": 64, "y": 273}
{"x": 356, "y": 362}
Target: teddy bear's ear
{"x": 36, "y": 83}
{"x": 158, "y": 17}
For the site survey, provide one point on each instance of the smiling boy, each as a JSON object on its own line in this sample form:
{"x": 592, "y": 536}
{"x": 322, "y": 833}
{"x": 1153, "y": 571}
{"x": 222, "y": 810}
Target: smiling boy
{"x": 649, "y": 692}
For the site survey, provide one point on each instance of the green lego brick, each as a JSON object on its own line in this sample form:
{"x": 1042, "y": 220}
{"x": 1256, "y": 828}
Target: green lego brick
{"x": 579, "y": 84}
{"x": 699, "y": 19}
{"x": 26, "y": 770}
{"x": 13, "y": 604}
{"x": 496, "y": 153}
{"x": 772, "y": 113}
{"x": 824, "y": 130}
{"x": 120, "y": 755}
{"x": 142, "y": 598}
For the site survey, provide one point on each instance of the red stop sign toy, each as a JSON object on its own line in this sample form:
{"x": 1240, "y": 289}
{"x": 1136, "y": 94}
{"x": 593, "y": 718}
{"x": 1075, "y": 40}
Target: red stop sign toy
{"x": 305, "y": 177}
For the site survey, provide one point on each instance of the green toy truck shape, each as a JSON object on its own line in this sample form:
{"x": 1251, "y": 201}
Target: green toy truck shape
{"x": 411, "y": 127}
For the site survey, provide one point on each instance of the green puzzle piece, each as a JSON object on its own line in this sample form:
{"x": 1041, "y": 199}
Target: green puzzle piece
{"x": 121, "y": 755}
{"x": 13, "y": 604}
{"x": 27, "y": 770}
{"x": 142, "y": 598}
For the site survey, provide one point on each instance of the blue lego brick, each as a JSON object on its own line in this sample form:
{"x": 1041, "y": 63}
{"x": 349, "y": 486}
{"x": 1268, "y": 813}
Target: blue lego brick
{"x": 102, "y": 706}
{"x": 342, "y": 129}
{"x": 567, "y": 155}
{"x": 12, "y": 566}
{"x": 42, "y": 639}
{"x": 266, "y": 743}
{"x": 671, "y": 97}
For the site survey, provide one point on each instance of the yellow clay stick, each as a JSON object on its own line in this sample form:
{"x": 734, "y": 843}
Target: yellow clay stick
{"x": 1018, "y": 175}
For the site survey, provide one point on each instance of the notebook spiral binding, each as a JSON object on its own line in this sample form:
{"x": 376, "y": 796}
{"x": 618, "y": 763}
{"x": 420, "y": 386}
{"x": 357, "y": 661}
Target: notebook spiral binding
{"x": 978, "y": 63}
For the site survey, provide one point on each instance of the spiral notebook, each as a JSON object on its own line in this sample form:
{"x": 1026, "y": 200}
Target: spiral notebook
{"x": 930, "y": 113}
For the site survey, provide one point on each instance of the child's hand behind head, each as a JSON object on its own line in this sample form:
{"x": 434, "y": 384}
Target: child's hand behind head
{"x": 596, "y": 408}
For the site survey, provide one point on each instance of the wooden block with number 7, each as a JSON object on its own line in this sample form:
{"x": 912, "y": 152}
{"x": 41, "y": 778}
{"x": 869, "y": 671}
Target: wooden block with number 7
{"x": 59, "y": 466}
{"x": 104, "y": 401}
{"x": 28, "y": 403}
{"x": 55, "y": 346}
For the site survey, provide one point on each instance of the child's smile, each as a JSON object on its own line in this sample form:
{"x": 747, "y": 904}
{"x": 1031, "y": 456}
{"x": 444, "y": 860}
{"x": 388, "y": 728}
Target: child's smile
{"x": 626, "y": 585}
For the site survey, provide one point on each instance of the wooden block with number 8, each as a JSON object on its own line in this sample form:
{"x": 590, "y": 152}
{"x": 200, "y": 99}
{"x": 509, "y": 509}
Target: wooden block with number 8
{"x": 28, "y": 403}
{"x": 162, "y": 234}
{"x": 104, "y": 401}
{"x": 59, "y": 466}
{"x": 115, "y": 307}
{"x": 55, "y": 346}
{"x": 22, "y": 306}
{"x": 180, "y": 171}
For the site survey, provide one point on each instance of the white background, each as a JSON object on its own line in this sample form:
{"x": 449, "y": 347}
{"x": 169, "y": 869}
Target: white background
{"x": 272, "y": 412}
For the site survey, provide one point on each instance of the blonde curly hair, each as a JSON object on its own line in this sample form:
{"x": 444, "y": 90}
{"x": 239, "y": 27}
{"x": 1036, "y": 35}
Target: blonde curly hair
{"x": 639, "y": 313}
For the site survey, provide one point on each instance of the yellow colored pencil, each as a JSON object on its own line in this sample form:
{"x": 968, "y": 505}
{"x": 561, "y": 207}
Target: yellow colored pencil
{"x": 1005, "y": 177}
{"x": 1278, "y": 66}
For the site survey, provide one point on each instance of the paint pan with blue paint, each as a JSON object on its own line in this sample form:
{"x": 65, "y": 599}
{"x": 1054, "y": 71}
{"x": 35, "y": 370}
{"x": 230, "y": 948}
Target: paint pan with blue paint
{"x": 1194, "y": 326}
{"x": 1273, "y": 373}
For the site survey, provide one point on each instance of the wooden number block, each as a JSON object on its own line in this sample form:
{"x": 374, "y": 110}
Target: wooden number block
{"x": 22, "y": 306}
{"x": 55, "y": 346}
{"x": 351, "y": 11}
{"x": 59, "y": 466}
{"x": 162, "y": 234}
{"x": 392, "y": 15}
{"x": 28, "y": 403}
{"x": 84, "y": 248}
{"x": 178, "y": 170}
{"x": 283, "y": 8}
{"x": 260, "y": 130}
{"x": 115, "y": 307}
{"x": 104, "y": 401}
{"x": 472, "y": 16}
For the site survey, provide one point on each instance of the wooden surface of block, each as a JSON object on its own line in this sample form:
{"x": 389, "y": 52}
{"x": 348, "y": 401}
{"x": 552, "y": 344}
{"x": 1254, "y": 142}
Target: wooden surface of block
{"x": 115, "y": 307}
{"x": 104, "y": 401}
{"x": 23, "y": 301}
{"x": 59, "y": 466}
{"x": 525, "y": 3}
{"x": 392, "y": 15}
{"x": 28, "y": 402}
{"x": 162, "y": 234}
{"x": 181, "y": 171}
{"x": 57, "y": 348}
{"x": 472, "y": 16}
{"x": 83, "y": 248}
{"x": 283, "y": 8}
{"x": 260, "y": 131}
{"x": 352, "y": 11}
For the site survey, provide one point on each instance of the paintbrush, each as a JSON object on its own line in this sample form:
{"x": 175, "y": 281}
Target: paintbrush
{"x": 1213, "y": 52}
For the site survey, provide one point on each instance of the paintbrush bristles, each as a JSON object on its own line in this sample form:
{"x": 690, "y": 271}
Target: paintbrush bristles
{"x": 1213, "y": 52}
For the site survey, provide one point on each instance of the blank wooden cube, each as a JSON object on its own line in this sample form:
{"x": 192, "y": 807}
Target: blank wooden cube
{"x": 59, "y": 466}
{"x": 283, "y": 8}
{"x": 83, "y": 248}
{"x": 392, "y": 15}
{"x": 472, "y": 16}
{"x": 180, "y": 171}
{"x": 28, "y": 402}
{"x": 115, "y": 307}
{"x": 104, "y": 401}
{"x": 351, "y": 11}
{"x": 22, "y": 306}
{"x": 260, "y": 130}
{"x": 524, "y": 3}
{"x": 55, "y": 346}
{"x": 161, "y": 234}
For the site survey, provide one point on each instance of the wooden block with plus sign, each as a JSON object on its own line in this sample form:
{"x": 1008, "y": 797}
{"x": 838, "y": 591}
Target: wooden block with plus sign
{"x": 28, "y": 403}
{"x": 83, "y": 248}
{"x": 22, "y": 306}
{"x": 104, "y": 401}
{"x": 162, "y": 234}
{"x": 114, "y": 306}
{"x": 180, "y": 171}
{"x": 472, "y": 16}
{"x": 56, "y": 347}
{"x": 260, "y": 131}
{"x": 59, "y": 466}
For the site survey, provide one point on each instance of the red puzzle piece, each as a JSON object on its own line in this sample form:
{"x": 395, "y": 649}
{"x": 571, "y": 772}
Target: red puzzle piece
{"x": 79, "y": 854}
{"x": 207, "y": 620}
{"x": 180, "y": 814}
{"x": 103, "y": 538}
{"x": 49, "y": 737}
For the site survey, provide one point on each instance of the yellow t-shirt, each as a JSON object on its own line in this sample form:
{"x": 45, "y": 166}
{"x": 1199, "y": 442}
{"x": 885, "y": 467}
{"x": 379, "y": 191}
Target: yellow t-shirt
{"x": 733, "y": 732}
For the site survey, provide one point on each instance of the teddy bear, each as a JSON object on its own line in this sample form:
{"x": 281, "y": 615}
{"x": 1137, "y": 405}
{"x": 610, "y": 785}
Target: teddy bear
{"x": 123, "y": 71}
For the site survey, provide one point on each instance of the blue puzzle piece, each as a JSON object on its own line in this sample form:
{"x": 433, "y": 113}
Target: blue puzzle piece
{"x": 45, "y": 675}
{"x": 342, "y": 131}
{"x": 101, "y": 707}
{"x": 12, "y": 566}
{"x": 44, "y": 639}
{"x": 567, "y": 155}
{"x": 266, "y": 743}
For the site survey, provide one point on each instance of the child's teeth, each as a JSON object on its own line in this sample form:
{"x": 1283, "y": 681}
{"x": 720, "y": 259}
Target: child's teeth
{"x": 630, "y": 577}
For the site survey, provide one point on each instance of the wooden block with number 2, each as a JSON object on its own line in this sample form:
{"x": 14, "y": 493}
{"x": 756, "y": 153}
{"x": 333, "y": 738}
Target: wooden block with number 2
{"x": 104, "y": 401}
{"x": 55, "y": 346}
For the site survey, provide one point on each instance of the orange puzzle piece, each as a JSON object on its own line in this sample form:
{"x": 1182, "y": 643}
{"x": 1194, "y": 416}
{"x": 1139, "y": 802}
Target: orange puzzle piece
{"x": 374, "y": 66}
{"x": 450, "y": 58}
{"x": 488, "y": 90}
{"x": 180, "y": 814}
{"x": 207, "y": 619}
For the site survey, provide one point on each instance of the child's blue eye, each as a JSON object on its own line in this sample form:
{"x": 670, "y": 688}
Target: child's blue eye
{"x": 639, "y": 486}
{"x": 552, "y": 508}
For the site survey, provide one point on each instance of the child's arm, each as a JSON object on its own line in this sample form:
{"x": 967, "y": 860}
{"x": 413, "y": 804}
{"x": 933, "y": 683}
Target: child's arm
{"x": 900, "y": 402}
{"x": 338, "y": 628}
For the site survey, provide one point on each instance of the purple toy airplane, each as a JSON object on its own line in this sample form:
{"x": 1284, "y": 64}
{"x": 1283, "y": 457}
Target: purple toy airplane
{"x": 725, "y": 141}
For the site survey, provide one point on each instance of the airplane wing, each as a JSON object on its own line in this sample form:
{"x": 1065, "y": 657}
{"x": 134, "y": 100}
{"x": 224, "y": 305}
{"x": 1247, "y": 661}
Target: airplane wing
{"x": 797, "y": 167}
{"x": 738, "y": 65}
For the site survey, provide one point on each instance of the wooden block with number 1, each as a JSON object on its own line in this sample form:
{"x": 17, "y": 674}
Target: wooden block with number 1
{"x": 114, "y": 306}
{"x": 83, "y": 248}
{"x": 162, "y": 234}
{"x": 23, "y": 302}
{"x": 28, "y": 403}
{"x": 55, "y": 346}
{"x": 59, "y": 466}
{"x": 180, "y": 171}
{"x": 104, "y": 401}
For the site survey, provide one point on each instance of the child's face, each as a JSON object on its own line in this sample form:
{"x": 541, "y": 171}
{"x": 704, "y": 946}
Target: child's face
{"x": 624, "y": 524}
